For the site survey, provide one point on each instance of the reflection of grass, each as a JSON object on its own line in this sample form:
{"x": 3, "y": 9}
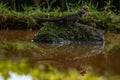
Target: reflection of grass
{"x": 48, "y": 72}
{"x": 112, "y": 42}
{"x": 19, "y": 49}
{"x": 18, "y": 46}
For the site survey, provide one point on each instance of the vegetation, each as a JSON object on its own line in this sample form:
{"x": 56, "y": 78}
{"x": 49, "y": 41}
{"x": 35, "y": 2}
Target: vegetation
{"x": 23, "y": 57}
{"x": 63, "y": 4}
{"x": 105, "y": 19}
{"x": 47, "y": 72}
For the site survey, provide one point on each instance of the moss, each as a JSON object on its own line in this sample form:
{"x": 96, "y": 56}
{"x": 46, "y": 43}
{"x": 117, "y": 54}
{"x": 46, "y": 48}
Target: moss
{"x": 67, "y": 32}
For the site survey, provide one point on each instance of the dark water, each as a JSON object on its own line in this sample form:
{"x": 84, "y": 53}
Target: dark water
{"x": 101, "y": 57}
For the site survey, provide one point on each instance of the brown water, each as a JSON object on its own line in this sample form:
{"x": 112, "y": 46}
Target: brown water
{"x": 103, "y": 58}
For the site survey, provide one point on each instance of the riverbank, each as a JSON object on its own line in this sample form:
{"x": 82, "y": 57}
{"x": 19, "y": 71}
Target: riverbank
{"x": 11, "y": 19}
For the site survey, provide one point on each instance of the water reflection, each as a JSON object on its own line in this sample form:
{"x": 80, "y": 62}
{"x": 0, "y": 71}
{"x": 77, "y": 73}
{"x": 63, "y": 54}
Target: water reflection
{"x": 1, "y": 77}
{"x": 12, "y": 70}
{"x": 68, "y": 52}
{"x": 13, "y": 35}
{"x": 71, "y": 55}
{"x": 103, "y": 58}
{"x": 14, "y": 76}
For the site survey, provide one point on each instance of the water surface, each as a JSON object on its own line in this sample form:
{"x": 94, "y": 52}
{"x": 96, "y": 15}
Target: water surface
{"x": 103, "y": 58}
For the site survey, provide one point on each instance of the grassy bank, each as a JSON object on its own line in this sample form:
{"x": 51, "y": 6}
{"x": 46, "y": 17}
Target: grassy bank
{"x": 12, "y": 19}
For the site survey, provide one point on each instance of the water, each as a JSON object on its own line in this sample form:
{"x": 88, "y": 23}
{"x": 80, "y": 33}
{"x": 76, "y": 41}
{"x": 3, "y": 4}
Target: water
{"x": 103, "y": 58}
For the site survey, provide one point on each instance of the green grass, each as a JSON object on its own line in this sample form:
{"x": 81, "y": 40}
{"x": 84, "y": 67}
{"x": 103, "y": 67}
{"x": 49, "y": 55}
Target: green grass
{"x": 106, "y": 20}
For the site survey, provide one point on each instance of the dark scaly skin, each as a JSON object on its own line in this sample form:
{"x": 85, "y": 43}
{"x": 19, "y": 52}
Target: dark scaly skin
{"x": 69, "y": 19}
